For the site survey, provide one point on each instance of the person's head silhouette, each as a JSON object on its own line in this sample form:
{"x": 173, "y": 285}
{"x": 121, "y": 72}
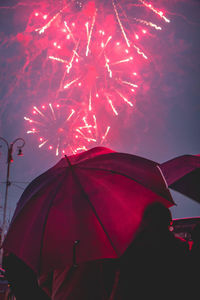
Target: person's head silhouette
{"x": 157, "y": 215}
{"x": 195, "y": 234}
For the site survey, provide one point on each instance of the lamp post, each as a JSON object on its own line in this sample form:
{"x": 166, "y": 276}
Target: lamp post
{"x": 20, "y": 144}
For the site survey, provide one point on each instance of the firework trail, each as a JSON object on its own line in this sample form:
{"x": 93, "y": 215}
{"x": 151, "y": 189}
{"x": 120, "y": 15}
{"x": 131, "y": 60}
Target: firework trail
{"x": 92, "y": 131}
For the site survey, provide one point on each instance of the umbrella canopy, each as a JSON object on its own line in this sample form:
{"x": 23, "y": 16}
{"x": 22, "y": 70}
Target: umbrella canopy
{"x": 88, "y": 206}
{"x": 182, "y": 174}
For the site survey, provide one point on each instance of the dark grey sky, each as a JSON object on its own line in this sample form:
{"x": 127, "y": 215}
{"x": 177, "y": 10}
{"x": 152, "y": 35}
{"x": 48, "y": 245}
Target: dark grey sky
{"x": 166, "y": 120}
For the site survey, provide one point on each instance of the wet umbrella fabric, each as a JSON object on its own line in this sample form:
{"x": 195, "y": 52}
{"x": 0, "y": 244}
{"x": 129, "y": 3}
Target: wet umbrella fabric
{"x": 182, "y": 174}
{"x": 96, "y": 197}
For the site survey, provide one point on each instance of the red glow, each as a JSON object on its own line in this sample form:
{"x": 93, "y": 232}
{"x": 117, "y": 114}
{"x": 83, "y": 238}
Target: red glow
{"x": 82, "y": 132}
{"x": 87, "y": 55}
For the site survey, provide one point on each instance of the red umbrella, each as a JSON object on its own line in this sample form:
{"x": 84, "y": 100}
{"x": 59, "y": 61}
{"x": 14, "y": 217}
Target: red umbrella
{"x": 183, "y": 175}
{"x": 88, "y": 206}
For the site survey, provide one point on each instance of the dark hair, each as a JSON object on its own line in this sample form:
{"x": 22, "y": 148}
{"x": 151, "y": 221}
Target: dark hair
{"x": 195, "y": 234}
{"x": 157, "y": 214}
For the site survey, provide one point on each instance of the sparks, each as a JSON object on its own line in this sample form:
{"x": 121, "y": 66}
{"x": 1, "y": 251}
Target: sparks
{"x": 42, "y": 144}
{"x": 129, "y": 83}
{"x": 38, "y": 111}
{"x": 140, "y": 52}
{"x": 70, "y": 83}
{"x": 108, "y": 67}
{"x": 106, "y": 133}
{"x": 90, "y": 35}
{"x": 57, "y": 59}
{"x": 148, "y": 24}
{"x": 85, "y": 57}
{"x": 70, "y": 33}
{"x": 85, "y": 137}
{"x": 160, "y": 13}
{"x": 52, "y": 110}
{"x": 121, "y": 61}
{"x": 71, "y": 114}
{"x": 56, "y": 128}
{"x": 112, "y": 106}
{"x": 90, "y": 102}
{"x": 120, "y": 24}
{"x": 125, "y": 99}
{"x": 42, "y": 30}
{"x": 72, "y": 59}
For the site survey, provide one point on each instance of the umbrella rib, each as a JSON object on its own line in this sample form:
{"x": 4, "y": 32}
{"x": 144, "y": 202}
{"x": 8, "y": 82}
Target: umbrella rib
{"x": 94, "y": 211}
{"x": 45, "y": 222}
{"x": 89, "y": 202}
{"x": 114, "y": 172}
{"x": 161, "y": 172}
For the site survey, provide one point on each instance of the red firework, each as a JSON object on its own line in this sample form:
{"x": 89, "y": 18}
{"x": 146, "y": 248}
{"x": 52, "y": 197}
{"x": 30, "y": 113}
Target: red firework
{"x": 88, "y": 51}
{"x": 63, "y": 130}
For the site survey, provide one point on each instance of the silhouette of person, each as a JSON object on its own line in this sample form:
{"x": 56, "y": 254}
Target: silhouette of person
{"x": 155, "y": 263}
{"x": 195, "y": 250}
{"x": 195, "y": 259}
{"x": 22, "y": 279}
{"x": 92, "y": 280}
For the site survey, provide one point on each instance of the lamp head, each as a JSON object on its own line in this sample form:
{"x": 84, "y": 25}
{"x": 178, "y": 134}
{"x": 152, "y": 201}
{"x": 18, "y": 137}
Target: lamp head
{"x": 20, "y": 152}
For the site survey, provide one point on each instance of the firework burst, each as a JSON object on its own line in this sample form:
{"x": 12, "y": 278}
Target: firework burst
{"x": 96, "y": 49}
{"x": 54, "y": 127}
{"x": 63, "y": 130}
{"x": 88, "y": 51}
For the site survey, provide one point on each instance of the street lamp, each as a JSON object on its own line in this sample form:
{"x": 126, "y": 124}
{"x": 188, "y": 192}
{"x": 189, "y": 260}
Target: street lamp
{"x": 20, "y": 144}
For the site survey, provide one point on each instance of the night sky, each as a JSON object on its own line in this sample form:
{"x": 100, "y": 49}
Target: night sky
{"x": 165, "y": 120}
